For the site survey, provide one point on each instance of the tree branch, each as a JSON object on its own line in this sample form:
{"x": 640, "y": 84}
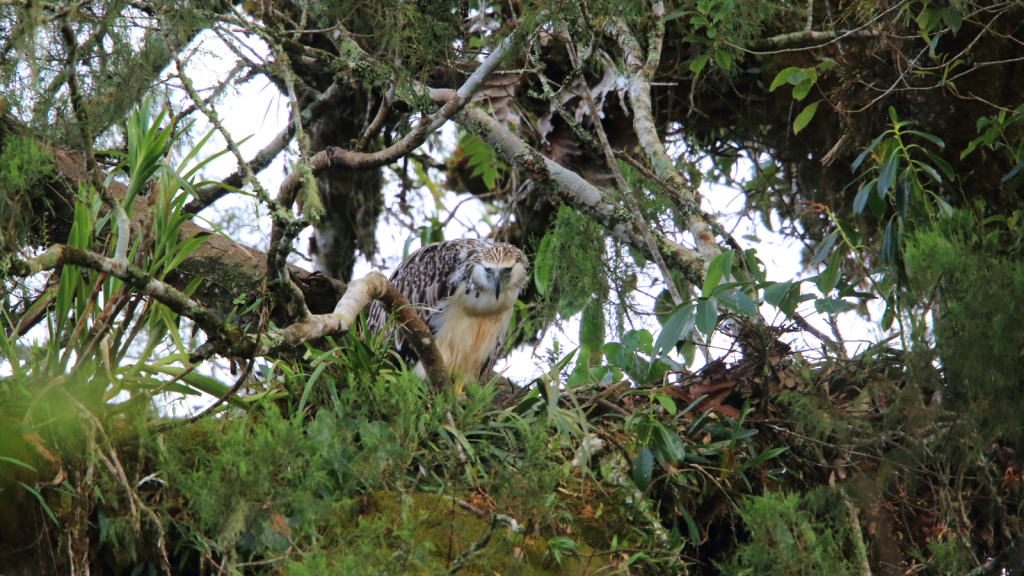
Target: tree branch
{"x": 572, "y": 189}
{"x": 335, "y": 157}
{"x": 360, "y": 292}
{"x": 60, "y": 255}
{"x": 209, "y": 194}
{"x": 646, "y": 131}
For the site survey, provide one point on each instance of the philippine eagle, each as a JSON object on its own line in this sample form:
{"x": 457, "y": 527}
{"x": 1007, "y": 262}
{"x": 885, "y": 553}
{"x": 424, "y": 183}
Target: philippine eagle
{"x": 464, "y": 290}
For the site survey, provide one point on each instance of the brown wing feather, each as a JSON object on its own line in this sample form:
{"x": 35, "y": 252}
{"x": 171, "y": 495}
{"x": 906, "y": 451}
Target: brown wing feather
{"x": 426, "y": 280}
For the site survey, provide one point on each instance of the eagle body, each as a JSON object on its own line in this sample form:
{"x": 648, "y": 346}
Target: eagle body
{"x": 465, "y": 291}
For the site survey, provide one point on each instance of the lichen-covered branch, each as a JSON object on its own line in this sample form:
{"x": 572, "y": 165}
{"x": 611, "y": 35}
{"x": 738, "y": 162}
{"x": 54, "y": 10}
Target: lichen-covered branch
{"x": 642, "y": 71}
{"x": 229, "y": 338}
{"x": 335, "y": 157}
{"x": 624, "y": 187}
{"x": 209, "y": 194}
{"x": 572, "y": 189}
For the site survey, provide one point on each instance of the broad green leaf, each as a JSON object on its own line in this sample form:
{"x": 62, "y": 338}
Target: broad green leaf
{"x": 823, "y": 248}
{"x": 805, "y": 117}
{"x": 826, "y": 281}
{"x": 951, "y": 16}
{"x": 830, "y": 305}
{"x": 720, "y": 267}
{"x": 672, "y": 446}
{"x": 738, "y": 301}
{"x": 707, "y": 316}
{"x": 800, "y": 91}
{"x": 782, "y": 78}
{"x": 723, "y": 59}
{"x": 698, "y": 64}
{"x": 643, "y": 465}
{"x": 667, "y": 403}
{"x": 776, "y": 292}
{"x": 677, "y": 328}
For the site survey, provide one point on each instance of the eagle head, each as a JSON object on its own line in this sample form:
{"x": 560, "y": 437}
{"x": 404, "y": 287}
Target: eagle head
{"x": 499, "y": 268}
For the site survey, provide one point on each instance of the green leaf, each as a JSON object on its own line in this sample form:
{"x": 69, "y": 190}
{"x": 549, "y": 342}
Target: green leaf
{"x": 947, "y": 170}
{"x": 707, "y": 316}
{"x": 902, "y": 197}
{"x": 667, "y": 403}
{"x": 543, "y": 266}
{"x": 678, "y": 327}
{"x": 720, "y": 267}
{"x": 42, "y": 502}
{"x": 776, "y": 292}
{"x": 864, "y": 154}
{"x": 951, "y": 16}
{"x": 824, "y": 246}
{"x": 672, "y": 447}
{"x": 826, "y": 281}
{"x": 800, "y": 91}
{"x": 766, "y": 455}
{"x": 16, "y": 462}
{"x": 930, "y": 172}
{"x": 691, "y": 526}
{"x": 723, "y": 59}
{"x": 830, "y": 305}
{"x": 933, "y": 139}
{"x": 698, "y": 64}
{"x": 1009, "y": 175}
{"x": 861, "y": 200}
{"x": 739, "y": 302}
{"x": 783, "y": 78}
{"x": 890, "y": 313}
{"x": 643, "y": 465}
{"x": 888, "y": 171}
{"x": 890, "y": 242}
{"x": 805, "y": 117}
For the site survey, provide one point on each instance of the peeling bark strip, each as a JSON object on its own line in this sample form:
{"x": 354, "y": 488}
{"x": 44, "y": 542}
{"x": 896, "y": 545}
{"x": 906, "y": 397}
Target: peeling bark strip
{"x": 572, "y": 189}
{"x": 360, "y": 292}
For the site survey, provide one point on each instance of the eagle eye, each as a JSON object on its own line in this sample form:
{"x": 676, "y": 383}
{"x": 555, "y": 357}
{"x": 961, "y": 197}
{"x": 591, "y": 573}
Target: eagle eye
{"x": 488, "y": 270}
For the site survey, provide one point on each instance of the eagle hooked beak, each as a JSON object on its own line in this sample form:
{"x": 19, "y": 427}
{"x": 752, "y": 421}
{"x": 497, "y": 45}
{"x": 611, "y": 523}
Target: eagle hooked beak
{"x": 497, "y": 286}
